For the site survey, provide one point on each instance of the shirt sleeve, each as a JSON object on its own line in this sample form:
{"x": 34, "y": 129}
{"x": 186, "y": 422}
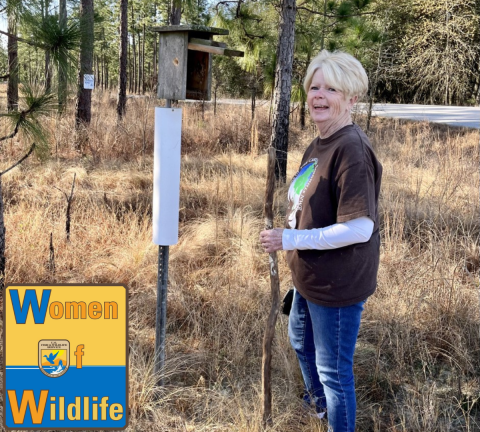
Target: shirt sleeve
{"x": 355, "y": 192}
{"x": 335, "y": 236}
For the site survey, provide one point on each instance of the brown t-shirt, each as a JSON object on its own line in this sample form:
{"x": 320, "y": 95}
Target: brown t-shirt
{"x": 339, "y": 180}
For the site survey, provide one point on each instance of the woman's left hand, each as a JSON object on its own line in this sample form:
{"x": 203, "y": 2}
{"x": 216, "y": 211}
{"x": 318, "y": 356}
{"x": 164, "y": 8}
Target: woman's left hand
{"x": 271, "y": 240}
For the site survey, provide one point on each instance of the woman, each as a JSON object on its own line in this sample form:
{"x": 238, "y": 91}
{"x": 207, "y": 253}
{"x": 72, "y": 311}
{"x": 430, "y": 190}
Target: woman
{"x": 331, "y": 238}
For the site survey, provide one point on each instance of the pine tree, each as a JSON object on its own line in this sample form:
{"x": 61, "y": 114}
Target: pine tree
{"x": 83, "y": 113}
{"x": 283, "y": 87}
{"x": 122, "y": 78}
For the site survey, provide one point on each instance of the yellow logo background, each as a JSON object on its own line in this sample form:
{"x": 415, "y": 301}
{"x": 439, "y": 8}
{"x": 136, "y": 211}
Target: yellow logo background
{"x": 103, "y": 339}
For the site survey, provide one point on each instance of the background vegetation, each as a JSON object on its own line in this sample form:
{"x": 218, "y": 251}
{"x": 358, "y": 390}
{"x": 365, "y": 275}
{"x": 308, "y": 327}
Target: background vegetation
{"x": 417, "y": 358}
{"x": 421, "y": 51}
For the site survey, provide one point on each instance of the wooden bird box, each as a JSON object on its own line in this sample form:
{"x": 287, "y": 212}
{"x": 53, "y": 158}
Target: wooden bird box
{"x": 185, "y": 60}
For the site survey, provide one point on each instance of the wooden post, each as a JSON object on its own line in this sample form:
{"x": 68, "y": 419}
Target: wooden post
{"x": 275, "y": 293}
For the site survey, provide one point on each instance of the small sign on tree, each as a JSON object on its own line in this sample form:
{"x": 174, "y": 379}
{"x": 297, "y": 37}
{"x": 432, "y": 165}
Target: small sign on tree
{"x": 88, "y": 82}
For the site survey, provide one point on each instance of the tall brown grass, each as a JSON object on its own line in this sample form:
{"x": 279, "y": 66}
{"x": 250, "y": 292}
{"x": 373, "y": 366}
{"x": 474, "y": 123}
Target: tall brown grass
{"x": 418, "y": 355}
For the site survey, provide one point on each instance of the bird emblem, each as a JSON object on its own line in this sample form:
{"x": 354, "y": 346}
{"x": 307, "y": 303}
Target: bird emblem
{"x": 51, "y": 357}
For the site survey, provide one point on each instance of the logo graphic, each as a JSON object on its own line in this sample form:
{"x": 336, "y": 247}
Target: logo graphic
{"x": 54, "y": 357}
{"x": 65, "y": 357}
{"x": 297, "y": 189}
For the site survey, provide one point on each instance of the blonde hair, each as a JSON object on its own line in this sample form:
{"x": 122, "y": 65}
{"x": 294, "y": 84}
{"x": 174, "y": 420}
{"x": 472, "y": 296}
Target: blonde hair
{"x": 341, "y": 70}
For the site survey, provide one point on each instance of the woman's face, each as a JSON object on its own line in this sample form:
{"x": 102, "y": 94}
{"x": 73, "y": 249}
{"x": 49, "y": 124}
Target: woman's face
{"x": 326, "y": 103}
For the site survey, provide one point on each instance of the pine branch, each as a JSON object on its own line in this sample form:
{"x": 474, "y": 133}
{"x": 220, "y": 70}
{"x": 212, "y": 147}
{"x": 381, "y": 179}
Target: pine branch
{"x": 23, "y": 115}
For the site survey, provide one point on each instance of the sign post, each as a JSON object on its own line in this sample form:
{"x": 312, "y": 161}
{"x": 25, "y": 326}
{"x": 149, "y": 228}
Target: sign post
{"x": 166, "y": 201}
{"x": 185, "y": 72}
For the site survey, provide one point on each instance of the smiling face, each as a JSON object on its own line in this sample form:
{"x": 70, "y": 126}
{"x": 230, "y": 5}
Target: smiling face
{"x": 329, "y": 108}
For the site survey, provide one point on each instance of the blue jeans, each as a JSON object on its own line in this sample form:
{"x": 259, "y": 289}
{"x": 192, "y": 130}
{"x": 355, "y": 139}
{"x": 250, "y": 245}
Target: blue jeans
{"x": 324, "y": 339}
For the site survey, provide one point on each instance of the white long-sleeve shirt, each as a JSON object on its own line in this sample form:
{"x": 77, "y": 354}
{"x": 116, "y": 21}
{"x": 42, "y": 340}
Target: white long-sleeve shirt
{"x": 335, "y": 236}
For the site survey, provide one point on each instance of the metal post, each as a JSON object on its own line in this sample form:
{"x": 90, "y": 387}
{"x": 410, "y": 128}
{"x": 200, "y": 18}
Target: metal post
{"x": 161, "y": 318}
{"x": 161, "y": 313}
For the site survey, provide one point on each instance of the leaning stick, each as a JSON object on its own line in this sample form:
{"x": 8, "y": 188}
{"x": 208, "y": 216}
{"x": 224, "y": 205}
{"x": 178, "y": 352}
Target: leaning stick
{"x": 275, "y": 293}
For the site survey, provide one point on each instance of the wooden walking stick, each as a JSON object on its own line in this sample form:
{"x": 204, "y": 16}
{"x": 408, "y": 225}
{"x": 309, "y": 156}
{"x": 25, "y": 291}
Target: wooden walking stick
{"x": 275, "y": 294}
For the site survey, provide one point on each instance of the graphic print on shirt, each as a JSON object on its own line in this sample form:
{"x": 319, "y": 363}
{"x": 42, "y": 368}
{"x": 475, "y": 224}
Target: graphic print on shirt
{"x": 297, "y": 189}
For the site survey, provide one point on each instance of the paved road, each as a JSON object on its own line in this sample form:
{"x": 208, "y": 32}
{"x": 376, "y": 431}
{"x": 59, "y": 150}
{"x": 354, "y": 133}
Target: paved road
{"x": 450, "y": 115}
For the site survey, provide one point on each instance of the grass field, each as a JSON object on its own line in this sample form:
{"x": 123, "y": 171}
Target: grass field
{"x": 418, "y": 356}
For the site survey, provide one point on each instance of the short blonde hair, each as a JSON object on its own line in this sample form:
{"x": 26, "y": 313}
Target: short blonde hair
{"x": 341, "y": 70}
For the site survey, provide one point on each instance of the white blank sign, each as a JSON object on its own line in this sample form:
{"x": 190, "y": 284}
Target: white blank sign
{"x": 166, "y": 175}
{"x": 88, "y": 82}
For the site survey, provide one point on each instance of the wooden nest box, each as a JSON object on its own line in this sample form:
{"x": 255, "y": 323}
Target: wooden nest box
{"x": 185, "y": 60}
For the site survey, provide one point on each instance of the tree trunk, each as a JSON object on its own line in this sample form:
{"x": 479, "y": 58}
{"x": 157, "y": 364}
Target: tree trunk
{"x": 12, "y": 46}
{"x": 283, "y": 87}
{"x": 303, "y": 101}
{"x": 324, "y": 26}
{"x": 143, "y": 60}
{"x": 48, "y": 72}
{"x": 104, "y": 62}
{"x": 175, "y": 12}
{"x": 103, "y": 71}
{"x": 134, "y": 56}
{"x": 2, "y": 240}
{"x": 155, "y": 61}
{"x": 253, "y": 104}
{"x": 130, "y": 71}
{"x": 83, "y": 112}
{"x": 62, "y": 73}
{"x": 303, "y": 97}
{"x": 140, "y": 69}
{"x": 96, "y": 70}
{"x": 215, "y": 101}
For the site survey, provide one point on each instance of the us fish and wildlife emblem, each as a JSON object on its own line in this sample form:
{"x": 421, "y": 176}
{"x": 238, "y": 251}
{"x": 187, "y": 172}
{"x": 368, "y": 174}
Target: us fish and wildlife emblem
{"x": 53, "y": 357}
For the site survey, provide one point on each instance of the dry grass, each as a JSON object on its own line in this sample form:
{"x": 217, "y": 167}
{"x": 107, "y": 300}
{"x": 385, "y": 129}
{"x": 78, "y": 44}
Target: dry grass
{"x": 418, "y": 354}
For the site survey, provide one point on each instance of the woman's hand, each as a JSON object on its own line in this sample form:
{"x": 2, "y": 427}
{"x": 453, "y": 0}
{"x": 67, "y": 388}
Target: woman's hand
{"x": 271, "y": 240}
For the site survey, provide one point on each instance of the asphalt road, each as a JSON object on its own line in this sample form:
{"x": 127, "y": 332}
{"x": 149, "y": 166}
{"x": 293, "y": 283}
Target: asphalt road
{"x": 449, "y": 115}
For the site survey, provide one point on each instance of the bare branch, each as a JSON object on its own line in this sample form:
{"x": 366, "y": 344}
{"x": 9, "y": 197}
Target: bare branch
{"x": 250, "y": 35}
{"x": 19, "y": 161}
{"x": 334, "y": 15}
{"x": 24, "y": 40}
{"x": 239, "y": 5}
{"x": 223, "y": 3}
{"x": 69, "y": 206}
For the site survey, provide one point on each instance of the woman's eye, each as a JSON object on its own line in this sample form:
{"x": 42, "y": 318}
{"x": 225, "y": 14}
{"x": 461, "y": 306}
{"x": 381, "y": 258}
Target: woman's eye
{"x": 313, "y": 88}
{"x": 331, "y": 89}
